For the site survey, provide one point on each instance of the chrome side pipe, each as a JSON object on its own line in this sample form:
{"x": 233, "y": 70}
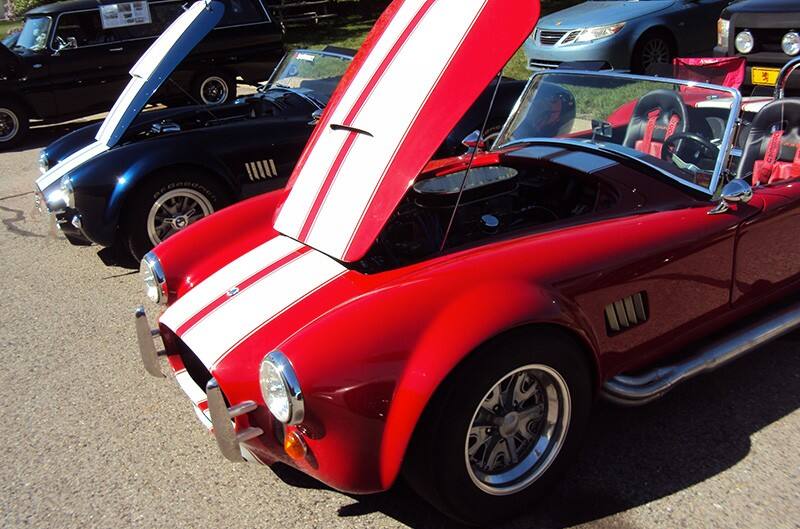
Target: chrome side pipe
{"x": 649, "y": 386}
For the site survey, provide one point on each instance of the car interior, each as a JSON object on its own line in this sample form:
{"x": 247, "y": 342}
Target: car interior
{"x": 771, "y": 151}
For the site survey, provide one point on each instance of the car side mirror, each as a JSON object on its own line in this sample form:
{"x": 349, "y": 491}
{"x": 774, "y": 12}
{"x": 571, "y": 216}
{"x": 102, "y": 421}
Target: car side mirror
{"x": 315, "y": 117}
{"x": 474, "y": 141}
{"x": 737, "y": 191}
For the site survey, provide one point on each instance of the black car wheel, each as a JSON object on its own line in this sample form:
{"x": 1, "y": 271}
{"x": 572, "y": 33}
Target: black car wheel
{"x": 502, "y": 428}
{"x": 13, "y": 124}
{"x": 215, "y": 88}
{"x": 166, "y": 204}
{"x": 653, "y": 49}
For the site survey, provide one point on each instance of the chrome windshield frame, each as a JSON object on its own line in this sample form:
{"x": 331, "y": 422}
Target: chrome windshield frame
{"x": 304, "y": 50}
{"x": 727, "y": 138}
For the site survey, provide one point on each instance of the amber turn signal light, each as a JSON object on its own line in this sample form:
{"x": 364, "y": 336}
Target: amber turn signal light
{"x": 294, "y": 445}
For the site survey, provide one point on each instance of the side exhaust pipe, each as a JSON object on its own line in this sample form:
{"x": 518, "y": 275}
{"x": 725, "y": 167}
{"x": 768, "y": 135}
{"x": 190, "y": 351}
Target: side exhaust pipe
{"x": 649, "y": 386}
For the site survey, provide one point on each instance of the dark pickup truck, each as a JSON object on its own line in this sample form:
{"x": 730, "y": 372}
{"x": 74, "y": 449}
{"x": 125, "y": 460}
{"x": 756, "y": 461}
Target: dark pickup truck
{"x": 765, "y": 32}
{"x": 72, "y": 58}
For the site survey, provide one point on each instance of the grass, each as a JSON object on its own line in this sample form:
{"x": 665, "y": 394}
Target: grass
{"x": 350, "y": 29}
{"x": 7, "y": 26}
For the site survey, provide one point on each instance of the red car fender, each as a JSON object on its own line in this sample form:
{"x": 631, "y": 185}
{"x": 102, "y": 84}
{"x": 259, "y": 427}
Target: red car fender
{"x": 480, "y": 314}
{"x": 230, "y": 233}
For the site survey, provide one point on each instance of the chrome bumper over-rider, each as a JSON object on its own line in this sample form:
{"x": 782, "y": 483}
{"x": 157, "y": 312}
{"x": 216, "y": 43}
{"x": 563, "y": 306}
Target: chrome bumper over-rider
{"x": 222, "y": 425}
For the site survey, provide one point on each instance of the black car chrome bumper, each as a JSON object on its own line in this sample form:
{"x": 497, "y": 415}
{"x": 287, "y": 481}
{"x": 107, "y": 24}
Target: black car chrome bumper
{"x": 222, "y": 417}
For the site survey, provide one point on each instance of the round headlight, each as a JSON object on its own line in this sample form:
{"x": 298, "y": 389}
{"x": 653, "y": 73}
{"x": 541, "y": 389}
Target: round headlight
{"x": 44, "y": 163}
{"x": 745, "y": 42}
{"x": 791, "y": 43}
{"x": 280, "y": 388}
{"x": 155, "y": 283}
{"x": 68, "y": 192}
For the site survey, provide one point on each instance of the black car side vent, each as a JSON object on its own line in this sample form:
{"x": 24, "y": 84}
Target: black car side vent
{"x": 626, "y": 313}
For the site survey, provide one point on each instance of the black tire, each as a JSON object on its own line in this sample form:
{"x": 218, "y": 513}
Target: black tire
{"x": 436, "y": 466}
{"x": 14, "y": 124}
{"x": 214, "y": 88}
{"x": 654, "y": 47}
{"x": 175, "y": 187}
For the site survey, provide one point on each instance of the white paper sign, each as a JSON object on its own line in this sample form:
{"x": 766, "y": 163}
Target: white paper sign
{"x": 125, "y": 14}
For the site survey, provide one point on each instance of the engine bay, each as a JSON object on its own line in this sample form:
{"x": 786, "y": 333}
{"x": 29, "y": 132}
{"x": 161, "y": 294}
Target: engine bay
{"x": 516, "y": 196}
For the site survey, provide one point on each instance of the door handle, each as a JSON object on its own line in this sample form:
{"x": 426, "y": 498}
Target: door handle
{"x": 37, "y": 66}
{"x": 116, "y": 49}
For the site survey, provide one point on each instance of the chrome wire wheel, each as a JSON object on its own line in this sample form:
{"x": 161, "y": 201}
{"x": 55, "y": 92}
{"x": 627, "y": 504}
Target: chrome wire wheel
{"x": 9, "y": 125}
{"x": 214, "y": 90}
{"x": 517, "y": 430}
{"x": 174, "y": 211}
{"x": 655, "y": 51}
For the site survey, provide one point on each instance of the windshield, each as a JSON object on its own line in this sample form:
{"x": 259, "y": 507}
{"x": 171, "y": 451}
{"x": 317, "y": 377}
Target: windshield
{"x": 681, "y": 128}
{"x": 313, "y": 74}
{"x": 34, "y": 34}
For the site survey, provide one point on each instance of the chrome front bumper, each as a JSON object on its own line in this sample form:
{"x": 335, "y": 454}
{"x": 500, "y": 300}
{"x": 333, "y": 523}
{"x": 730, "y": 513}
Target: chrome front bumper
{"x": 223, "y": 425}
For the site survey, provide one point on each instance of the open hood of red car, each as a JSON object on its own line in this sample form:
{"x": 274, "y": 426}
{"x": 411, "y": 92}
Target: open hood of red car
{"x": 422, "y": 66}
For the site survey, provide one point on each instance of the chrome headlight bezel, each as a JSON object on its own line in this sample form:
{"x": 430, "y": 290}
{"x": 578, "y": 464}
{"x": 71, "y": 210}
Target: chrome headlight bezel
{"x": 745, "y": 42}
{"x": 155, "y": 282}
{"x": 68, "y": 192}
{"x": 723, "y": 33}
{"x": 790, "y": 43}
{"x": 281, "y": 389}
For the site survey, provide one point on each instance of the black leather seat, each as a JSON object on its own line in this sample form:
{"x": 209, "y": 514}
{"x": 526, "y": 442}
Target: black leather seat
{"x": 657, "y": 116}
{"x": 772, "y": 150}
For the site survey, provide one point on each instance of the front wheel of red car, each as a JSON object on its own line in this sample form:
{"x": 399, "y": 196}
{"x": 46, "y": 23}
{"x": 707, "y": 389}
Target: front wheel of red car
{"x": 503, "y": 428}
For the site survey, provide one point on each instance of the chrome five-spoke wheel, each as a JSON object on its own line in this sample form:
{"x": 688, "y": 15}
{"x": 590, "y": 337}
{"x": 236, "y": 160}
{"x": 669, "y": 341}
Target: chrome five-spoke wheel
{"x": 517, "y": 430}
{"x": 174, "y": 211}
{"x": 503, "y": 426}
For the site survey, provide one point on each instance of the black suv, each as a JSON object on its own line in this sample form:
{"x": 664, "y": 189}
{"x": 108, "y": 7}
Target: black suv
{"x": 765, "y": 32}
{"x": 72, "y": 58}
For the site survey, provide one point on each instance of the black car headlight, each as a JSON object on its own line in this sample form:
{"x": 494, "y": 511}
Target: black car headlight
{"x": 44, "y": 161}
{"x": 67, "y": 192}
{"x": 745, "y": 42}
{"x": 155, "y": 283}
{"x": 791, "y": 43}
{"x": 281, "y": 389}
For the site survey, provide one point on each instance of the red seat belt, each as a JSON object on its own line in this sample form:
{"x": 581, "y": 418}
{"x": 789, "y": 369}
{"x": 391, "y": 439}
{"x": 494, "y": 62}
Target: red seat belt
{"x": 652, "y": 118}
{"x": 762, "y": 171}
{"x": 674, "y": 121}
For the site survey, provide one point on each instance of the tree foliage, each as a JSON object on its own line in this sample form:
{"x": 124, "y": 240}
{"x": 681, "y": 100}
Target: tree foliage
{"x": 21, "y": 6}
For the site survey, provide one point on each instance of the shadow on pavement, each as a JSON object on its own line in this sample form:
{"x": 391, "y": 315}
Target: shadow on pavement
{"x": 633, "y": 456}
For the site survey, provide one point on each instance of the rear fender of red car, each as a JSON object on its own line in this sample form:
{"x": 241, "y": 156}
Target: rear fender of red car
{"x": 195, "y": 253}
{"x": 479, "y": 315}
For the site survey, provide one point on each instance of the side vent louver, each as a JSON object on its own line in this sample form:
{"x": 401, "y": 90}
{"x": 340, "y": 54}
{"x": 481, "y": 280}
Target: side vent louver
{"x": 626, "y": 313}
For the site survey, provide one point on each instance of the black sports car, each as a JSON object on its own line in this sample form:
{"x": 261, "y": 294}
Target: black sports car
{"x": 133, "y": 188}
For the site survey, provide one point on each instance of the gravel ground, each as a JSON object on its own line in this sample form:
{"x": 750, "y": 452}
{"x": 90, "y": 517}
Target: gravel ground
{"x": 89, "y": 440}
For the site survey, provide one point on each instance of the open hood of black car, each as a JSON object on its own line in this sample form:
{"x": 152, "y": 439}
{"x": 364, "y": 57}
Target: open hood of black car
{"x": 157, "y": 64}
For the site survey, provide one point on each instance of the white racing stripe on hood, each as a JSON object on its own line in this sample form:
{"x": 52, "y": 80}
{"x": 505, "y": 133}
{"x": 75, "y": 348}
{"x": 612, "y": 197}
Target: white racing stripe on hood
{"x": 298, "y": 203}
{"x": 394, "y": 100}
{"x": 226, "y": 278}
{"x": 68, "y": 164}
{"x": 241, "y": 315}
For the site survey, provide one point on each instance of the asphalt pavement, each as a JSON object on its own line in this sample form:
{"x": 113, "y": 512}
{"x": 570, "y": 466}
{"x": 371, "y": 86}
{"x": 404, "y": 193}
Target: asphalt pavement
{"x": 88, "y": 439}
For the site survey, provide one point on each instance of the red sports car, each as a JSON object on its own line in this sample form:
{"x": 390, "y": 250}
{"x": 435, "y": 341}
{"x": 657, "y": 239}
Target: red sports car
{"x": 453, "y": 321}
